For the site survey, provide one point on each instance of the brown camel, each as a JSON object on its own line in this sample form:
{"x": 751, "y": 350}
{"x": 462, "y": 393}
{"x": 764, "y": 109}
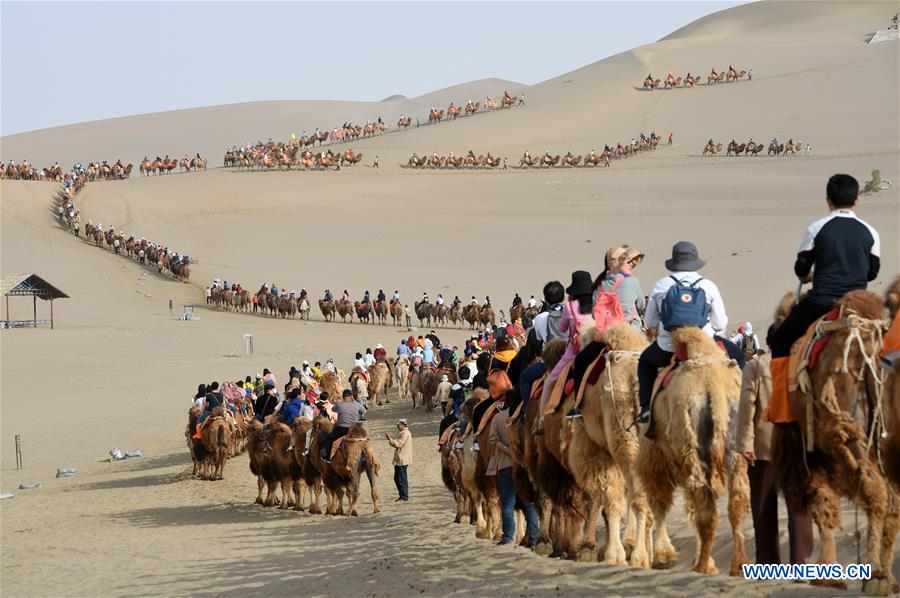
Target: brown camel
{"x": 712, "y": 149}
{"x": 481, "y": 488}
{"x": 259, "y": 464}
{"x": 327, "y": 308}
{"x": 691, "y": 420}
{"x": 332, "y": 383}
{"x": 451, "y": 474}
{"x": 842, "y": 458}
{"x": 470, "y": 315}
{"x": 345, "y": 310}
{"x": 342, "y": 475}
{"x": 735, "y": 148}
{"x": 215, "y": 438}
{"x": 396, "y": 313}
{"x": 364, "y": 312}
{"x": 651, "y": 84}
{"x": 284, "y": 468}
{"x": 486, "y": 316}
{"x": 381, "y": 311}
{"x": 425, "y": 313}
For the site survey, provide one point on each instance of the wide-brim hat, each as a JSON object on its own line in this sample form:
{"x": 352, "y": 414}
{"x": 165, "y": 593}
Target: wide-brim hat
{"x": 614, "y": 257}
{"x": 581, "y": 283}
{"x": 634, "y": 257}
{"x": 685, "y": 258}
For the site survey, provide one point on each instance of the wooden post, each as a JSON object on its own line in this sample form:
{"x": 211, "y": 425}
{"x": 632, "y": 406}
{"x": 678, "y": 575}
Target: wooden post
{"x": 7, "y": 311}
{"x": 34, "y": 297}
{"x": 51, "y": 313}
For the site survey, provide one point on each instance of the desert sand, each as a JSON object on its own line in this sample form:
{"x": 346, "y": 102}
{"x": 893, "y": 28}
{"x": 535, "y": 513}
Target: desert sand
{"x": 120, "y": 368}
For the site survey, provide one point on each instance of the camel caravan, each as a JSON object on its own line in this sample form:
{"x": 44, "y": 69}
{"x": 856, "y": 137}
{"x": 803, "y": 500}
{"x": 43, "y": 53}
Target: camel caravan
{"x": 592, "y": 158}
{"x": 277, "y": 156}
{"x": 27, "y": 172}
{"x": 297, "y": 443}
{"x": 753, "y": 148}
{"x": 467, "y": 160}
{"x": 583, "y": 450}
{"x": 146, "y": 253}
{"x": 731, "y": 75}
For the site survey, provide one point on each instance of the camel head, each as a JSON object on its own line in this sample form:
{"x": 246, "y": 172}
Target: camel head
{"x": 892, "y": 298}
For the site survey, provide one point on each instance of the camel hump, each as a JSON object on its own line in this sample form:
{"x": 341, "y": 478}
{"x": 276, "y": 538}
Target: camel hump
{"x": 697, "y": 342}
{"x": 357, "y": 430}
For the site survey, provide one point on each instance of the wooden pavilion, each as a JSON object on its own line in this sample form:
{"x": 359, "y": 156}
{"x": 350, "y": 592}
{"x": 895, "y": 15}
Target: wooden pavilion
{"x": 29, "y": 285}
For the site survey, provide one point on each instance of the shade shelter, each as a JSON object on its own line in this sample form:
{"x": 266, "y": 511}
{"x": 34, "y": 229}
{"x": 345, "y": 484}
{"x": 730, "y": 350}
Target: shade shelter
{"x": 29, "y": 285}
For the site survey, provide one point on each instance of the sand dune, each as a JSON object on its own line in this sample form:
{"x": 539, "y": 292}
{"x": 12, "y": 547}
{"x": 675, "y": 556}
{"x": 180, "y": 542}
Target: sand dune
{"x": 120, "y": 367}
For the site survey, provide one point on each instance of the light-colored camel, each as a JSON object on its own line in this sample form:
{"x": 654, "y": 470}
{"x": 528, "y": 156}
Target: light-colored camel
{"x": 396, "y": 313}
{"x": 401, "y": 371}
{"x": 327, "y": 308}
{"x": 691, "y": 421}
{"x": 345, "y": 310}
{"x": 604, "y": 439}
{"x": 844, "y": 460}
{"x": 712, "y": 149}
{"x": 380, "y": 377}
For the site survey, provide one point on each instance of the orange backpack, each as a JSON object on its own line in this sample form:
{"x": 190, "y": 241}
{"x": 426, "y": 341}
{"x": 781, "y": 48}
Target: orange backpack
{"x": 498, "y": 383}
{"x": 607, "y": 310}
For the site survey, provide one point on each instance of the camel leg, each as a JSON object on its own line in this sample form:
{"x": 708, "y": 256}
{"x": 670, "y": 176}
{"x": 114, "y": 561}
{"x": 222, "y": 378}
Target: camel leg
{"x": 660, "y": 491}
{"x": 888, "y": 538}
{"x": 339, "y": 501}
{"x": 738, "y": 507}
{"x": 481, "y": 530}
{"x": 587, "y": 551}
{"x": 270, "y": 495}
{"x": 370, "y": 474}
{"x": 706, "y": 518}
{"x": 545, "y": 543}
{"x": 826, "y": 512}
{"x": 614, "y": 510}
{"x": 640, "y": 553}
{"x": 286, "y": 495}
{"x": 629, "y": 537}
{"x": 300, "y": 495}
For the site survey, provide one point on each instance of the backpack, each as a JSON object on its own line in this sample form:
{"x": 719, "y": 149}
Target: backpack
{"x": 554, "y": 316}
{"x": 498, "y": 383}
{"x": 750, "y": 346}
{"x": 607, "y": 310}
{"x": 684, "y": 305}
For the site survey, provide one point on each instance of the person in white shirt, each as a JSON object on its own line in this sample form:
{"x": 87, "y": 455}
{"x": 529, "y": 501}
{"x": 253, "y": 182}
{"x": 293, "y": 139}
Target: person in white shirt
{"x": 359, "y": 362}
{"x": 546, "y": 323}
{"x": 532, "y": 302}
{"x": 440, "y": 299}
{"x": 369, "y": 359}
{"x": 683, "y": 265}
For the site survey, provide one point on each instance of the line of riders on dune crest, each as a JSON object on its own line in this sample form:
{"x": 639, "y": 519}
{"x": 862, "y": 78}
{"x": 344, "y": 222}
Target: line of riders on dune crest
{"x": 286, "y": 154}
{"x": 731, "y": 75}
{"x": 751, "y": 147}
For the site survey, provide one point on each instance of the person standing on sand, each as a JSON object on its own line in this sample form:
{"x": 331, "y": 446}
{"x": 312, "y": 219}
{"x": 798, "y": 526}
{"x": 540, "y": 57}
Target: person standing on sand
{"x": 408, "y": 314}
{"x": 501, "y": 466}
{"x": 754, "y": 440}
{"x": 402, "y": 458}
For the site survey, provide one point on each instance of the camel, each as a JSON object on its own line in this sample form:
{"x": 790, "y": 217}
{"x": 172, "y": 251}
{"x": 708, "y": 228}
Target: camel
{"x": 284, "y": 468}
{"x": 404, "y": 122}
{"x": 774, "y": 149}
{"x": 604, "y": 448}
{"x": 342, "y": 475}
{"x": 310, "y": 478}
{"x": 486, "y": 316}
{"x": 571, "y": 160}
{"x": 397, "y": 313}
{"x": 455, "y": 314}
{"x": 425, "y": 312}
{"x": 754, "y": 148}
{"x": 381, "y": 377}
{"x": 842, "y": 453}
{"x": 472, "y": 108}
{"x": 735, "y": 148}
{"x": 417, "y": 161}
{"x": 451, "y": 474}
{"x": 715, "y": 77}
{"x": 734, "y": 75}
{"x": 401, "y": 371}
{"x": 345, "y": 310}
{"x": 470, "y": 315}
{"x": 332, "y": 383}
{"x": 529, "y": 161}
{"x": 690, "y": 81}
{"x": 792, "y": 148}
{"x": 435, "y": 116}
{"x": 364, "y": 312}
{"x": 672, "y": 82}
{"x": 481, "y": 488}
{"x": 215, "y": 440}
{"x": 691, "y": 419}
{"x": 548, "y": 160}
{"x": 509, "y": 101}
{"x": 490, "y": 103}
{"x": 351, "y": 159}
{"x": 259, "y": 464}
{"x": 381, "y": 312}
{"x": 327, "y": 308}
{"x": 651, "y": 84}
{"x": 712, "y": 149}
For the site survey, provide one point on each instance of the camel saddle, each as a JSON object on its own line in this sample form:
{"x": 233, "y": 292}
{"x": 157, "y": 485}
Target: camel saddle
{"x": 445, "y": 437}
{"x": 563, "y": 387}
{"x": 338, "y": 442}
{"x": 592, "y": 374}
{"x": 486, "y": 418}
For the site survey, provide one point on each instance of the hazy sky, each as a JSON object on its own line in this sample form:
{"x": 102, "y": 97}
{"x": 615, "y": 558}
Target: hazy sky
{"x": 69, "y": 62}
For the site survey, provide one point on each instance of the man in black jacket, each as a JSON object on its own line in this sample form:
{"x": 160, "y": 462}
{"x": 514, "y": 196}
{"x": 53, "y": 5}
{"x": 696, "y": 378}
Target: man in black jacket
{"x": 266, "y": 402}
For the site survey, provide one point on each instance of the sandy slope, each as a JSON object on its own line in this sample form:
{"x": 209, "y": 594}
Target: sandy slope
{"x": 119, "y": 369}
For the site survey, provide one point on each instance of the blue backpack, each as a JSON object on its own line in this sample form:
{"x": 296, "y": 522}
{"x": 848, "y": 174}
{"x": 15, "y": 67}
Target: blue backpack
{"x": 684, "y": 305}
